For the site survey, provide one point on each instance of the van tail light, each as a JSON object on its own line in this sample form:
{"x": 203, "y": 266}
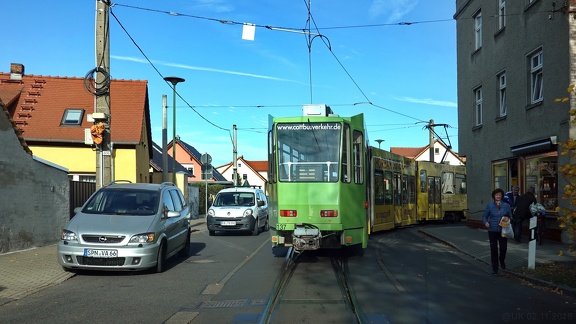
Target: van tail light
{"x": 288, "y": 213}
{"x": 328, "y": 213}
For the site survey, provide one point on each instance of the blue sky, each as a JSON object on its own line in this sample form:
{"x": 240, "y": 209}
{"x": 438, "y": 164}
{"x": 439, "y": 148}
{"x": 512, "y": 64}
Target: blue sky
{"x": 400, "y": 55}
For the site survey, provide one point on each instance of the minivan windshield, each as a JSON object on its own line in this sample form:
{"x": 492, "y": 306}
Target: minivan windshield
{"x": 234, "y": 199}
{"x": 123, "y": 202}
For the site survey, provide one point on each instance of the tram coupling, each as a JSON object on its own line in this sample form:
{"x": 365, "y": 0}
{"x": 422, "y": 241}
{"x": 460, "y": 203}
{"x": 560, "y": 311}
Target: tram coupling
{"x": 306, "y": 238}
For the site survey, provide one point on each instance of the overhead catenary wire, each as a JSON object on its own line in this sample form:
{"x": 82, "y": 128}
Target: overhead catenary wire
{"x": 307, "y": 30}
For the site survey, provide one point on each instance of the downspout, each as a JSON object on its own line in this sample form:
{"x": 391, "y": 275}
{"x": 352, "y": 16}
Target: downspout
{"x": 112, "y": 162}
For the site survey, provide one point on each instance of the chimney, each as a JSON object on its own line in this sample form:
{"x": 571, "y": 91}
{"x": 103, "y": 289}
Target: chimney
{"x": 16, "y": 71}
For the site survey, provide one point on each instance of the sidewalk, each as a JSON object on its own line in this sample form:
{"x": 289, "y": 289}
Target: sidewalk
{"x": 25, "y": 272}
{"x": 474, "y": 242}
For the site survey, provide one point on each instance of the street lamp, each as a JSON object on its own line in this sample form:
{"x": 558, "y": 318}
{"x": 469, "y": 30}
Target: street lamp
{"x": 379, "y": 142}
{"x": 174, "y": 80}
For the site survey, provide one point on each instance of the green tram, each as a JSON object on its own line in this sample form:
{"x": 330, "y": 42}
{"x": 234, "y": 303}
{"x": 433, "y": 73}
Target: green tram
{"x": 328, "y": 189}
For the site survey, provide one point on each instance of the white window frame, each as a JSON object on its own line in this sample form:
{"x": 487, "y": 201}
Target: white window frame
{"x": 501, "y": 14}
{"x": 478, "y": 106}
{"x": 536, "y": 77}
{"x": 478, "y": 29}
{"x": 502, "y": 94}
{"x": 72, "y": 116}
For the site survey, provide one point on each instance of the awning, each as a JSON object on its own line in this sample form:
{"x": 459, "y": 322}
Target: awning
{"x": 537, "y": 146}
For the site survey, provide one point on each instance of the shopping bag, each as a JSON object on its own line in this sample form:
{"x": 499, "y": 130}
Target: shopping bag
{"x": 504, "y": 221}
{"x": 507, "y": 231}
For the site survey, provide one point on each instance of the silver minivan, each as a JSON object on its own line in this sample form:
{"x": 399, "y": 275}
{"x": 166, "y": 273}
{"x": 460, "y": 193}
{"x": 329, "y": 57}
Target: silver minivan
{"x": 127, "y": 226}
{"x": 237, "y": 209}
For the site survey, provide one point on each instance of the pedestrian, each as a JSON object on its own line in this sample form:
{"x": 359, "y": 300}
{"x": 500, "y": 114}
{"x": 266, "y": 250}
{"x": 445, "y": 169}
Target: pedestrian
{"x": 511, "y": 196}
{"x": 493, "y": 213}
{"x": 522, "y": 212}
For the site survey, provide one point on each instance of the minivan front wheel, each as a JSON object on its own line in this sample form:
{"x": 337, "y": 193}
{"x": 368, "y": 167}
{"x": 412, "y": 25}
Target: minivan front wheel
{"x": 255, "y": 229}
{"x": 160, "y": 259}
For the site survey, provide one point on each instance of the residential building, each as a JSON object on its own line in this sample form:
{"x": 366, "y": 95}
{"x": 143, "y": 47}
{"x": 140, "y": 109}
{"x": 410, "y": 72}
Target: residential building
{"x": 442, "y": 154}
{"x": 514, "y": 59}
{"x": 53, "y": 116}
{"x": 191, "y": 160}
{"x": 253, "y": 173}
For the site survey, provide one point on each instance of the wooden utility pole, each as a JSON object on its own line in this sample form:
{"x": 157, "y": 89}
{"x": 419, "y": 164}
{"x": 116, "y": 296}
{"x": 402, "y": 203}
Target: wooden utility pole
{"x": 102, "y": 93}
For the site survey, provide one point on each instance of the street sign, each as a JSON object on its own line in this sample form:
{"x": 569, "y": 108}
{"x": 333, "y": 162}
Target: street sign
{"x": 206, "y": 158}
{"x": 207, "y": 170}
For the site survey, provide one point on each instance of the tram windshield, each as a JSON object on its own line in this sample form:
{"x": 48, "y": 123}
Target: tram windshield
{"x": 308, "y": 152}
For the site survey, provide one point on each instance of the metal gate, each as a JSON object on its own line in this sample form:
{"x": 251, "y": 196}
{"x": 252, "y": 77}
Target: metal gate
{"x": 79, "y": 193}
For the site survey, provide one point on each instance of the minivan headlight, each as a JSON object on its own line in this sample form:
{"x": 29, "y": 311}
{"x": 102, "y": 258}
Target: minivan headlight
{"x": 248, "y": 212}
{"x": 211, "y": 212}
{"x": 67, "y": 235}
{"x": 142, "y": 238}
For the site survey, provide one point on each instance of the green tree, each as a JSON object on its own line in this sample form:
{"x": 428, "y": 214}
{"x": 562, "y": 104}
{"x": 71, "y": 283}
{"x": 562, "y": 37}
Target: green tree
{"x": 567, "y": 215}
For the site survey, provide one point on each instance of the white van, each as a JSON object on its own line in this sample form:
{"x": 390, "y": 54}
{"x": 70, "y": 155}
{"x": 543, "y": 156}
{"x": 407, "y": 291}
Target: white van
{"x": 238, "y": 209}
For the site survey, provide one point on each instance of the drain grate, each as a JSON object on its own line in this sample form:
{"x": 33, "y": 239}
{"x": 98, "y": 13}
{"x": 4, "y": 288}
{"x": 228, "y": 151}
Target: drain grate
{"x": 234, "y": 303}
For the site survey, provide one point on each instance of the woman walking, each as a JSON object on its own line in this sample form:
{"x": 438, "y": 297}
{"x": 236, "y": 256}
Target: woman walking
{"x": 493, "y": 213}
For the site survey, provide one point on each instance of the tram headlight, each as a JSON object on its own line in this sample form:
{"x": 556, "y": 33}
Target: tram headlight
{"x": 248, "y": 212}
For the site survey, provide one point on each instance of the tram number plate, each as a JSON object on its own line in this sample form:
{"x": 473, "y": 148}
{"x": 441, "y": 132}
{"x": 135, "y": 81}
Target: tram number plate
{"x": 228, "y": 223}
{"x": 91, "y": 253}
{"x": 280, "y": 227}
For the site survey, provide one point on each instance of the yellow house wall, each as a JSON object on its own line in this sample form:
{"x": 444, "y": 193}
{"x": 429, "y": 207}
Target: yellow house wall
{"x": 128, "y": 163}
{"x": 76, "y": 160}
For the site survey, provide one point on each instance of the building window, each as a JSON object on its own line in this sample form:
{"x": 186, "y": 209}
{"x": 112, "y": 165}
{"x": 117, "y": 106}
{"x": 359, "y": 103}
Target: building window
{"x": 542, "y": 174}
{"x": 82, "y": 178}
{"x": 502, "y": 94}
{"x": 536, "y": 80}
{"x": 502, "y": 14}
{"x": 478, "y": 103}
{"x": 191, "y": 170}
{"x": 478, "y": 29}
{"x": 437, "y": 151}
{"x": 72, "y": 116}
{"x": 500, "y": 174}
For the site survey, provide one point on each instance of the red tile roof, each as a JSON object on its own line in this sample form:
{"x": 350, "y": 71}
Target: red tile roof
{"x": 37, "y": 104}
{"x": 409, "y": 152}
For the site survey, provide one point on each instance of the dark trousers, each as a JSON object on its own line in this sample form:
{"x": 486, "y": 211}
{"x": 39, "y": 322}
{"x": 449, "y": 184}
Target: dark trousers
{"x": 517, "y": 227}
{"x": 496, "y": 240}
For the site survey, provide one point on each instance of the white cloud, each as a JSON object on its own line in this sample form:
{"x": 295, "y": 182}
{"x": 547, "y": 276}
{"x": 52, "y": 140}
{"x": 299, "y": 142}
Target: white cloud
{"x": 393, "y": 10}
{"x": 198, "y": 68}
{"x": 427, "y": 101}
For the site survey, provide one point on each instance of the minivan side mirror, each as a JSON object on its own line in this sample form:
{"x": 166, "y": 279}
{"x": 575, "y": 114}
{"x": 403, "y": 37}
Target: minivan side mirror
{"x": 261, "y": 203}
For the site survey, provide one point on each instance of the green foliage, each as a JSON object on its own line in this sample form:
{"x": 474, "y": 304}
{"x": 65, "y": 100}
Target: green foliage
{"x": 567, "y": 215}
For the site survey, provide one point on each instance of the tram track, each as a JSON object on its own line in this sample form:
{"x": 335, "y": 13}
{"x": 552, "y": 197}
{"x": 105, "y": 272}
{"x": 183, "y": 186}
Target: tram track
{"x": 312, "y": 290}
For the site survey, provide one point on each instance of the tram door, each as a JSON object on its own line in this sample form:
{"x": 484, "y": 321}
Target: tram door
{"x": 434, "y": 198}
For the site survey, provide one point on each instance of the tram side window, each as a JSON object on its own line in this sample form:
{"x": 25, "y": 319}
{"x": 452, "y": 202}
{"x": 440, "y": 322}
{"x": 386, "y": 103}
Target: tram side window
{"x": 358, "y": 158}
{"x": 448, "y": 186}
{"x": 345, "y": 155}
{"x": 397, "y": 189}
{"x": 460, "y": 183}
{"x": 423, "y": 180}
{"x": 379, "y": 187}
{"x": 271, "y": 159}
{"x": 388, "y": 188}
{"x": 412, "y": 189}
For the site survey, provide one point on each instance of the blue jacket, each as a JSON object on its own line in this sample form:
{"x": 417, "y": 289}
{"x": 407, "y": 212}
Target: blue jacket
{"x": 493, "y": 215}
{"x": 509, "y": 198}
